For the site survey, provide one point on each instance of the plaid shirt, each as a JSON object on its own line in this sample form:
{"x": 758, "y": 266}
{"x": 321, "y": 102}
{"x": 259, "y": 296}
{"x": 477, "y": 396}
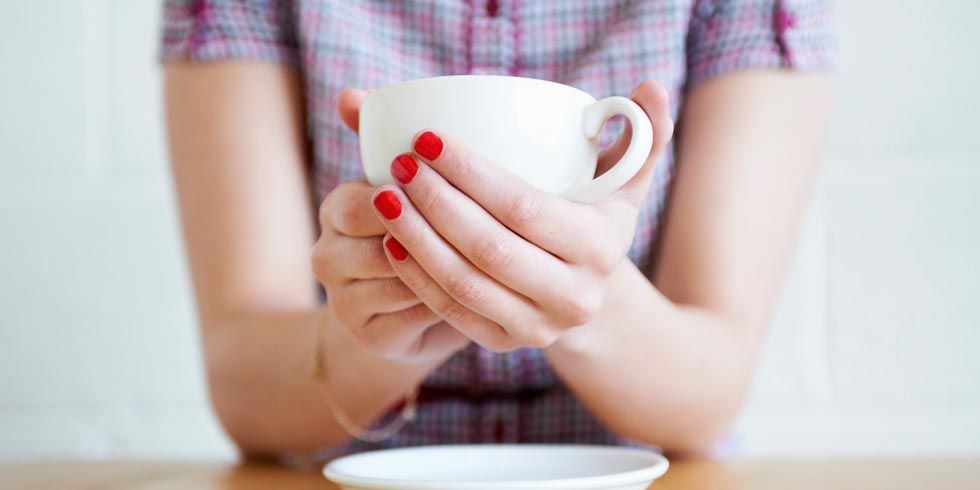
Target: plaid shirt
{"x": 602, "y": 47}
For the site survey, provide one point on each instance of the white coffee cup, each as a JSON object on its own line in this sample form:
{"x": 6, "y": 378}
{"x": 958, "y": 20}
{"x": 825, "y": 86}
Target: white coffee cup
{"x": 545, "y": 132}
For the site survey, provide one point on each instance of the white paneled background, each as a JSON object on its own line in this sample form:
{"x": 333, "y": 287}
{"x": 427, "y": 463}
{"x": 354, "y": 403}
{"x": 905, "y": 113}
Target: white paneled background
{"x": 875, "y": 348}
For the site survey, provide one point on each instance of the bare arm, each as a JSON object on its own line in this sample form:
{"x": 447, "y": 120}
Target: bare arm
{"x": 669, "y": 363}
{"x": 666, "y": 363}
{"x": 240, "y": 169}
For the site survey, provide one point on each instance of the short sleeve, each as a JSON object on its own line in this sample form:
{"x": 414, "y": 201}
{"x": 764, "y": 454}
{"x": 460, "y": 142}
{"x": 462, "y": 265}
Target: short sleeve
{"x": 208, "y": 30}
{"x": 731, "y": 35}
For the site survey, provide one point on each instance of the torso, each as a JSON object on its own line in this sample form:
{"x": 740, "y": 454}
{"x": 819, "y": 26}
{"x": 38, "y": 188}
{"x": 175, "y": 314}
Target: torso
{"x": 604, "y": 48}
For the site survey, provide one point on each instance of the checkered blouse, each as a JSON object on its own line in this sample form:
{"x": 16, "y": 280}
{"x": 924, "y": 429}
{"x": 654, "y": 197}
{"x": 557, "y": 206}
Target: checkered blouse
{"x": 602, "y": 47}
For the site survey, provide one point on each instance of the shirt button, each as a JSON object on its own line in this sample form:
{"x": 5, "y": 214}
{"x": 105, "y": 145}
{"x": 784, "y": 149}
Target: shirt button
{"x": 706, "y": 9}
{"x": 493, "y": 7}
{"x": 197, "y": 7}
{"x": 498, "y": 431}
{"x": 785, "y": 20}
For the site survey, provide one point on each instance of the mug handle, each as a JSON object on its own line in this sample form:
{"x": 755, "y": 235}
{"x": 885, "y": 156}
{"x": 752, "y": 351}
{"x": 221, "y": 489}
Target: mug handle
{"x": 632, "y": 160}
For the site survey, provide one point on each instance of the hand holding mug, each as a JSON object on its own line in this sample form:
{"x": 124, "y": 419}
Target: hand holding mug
{"x": 507, "y": 263}
{"x": 365, "y": 294}
{"x": 544, "y": 132}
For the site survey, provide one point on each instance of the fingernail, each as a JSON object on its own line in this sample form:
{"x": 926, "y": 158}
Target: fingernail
{"x": 396, "y": 249}
{"x": 428, "y": 145}
{"x": 387, "y": 202}
{"x": 404, "y": 168}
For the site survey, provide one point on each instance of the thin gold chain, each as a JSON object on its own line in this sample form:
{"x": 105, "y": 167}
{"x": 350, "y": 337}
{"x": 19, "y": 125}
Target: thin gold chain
{"x": 318, "y": 372}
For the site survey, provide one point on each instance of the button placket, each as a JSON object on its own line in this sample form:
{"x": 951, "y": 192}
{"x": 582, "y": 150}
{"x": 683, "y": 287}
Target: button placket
{"x": 785, "y": 21}
{"x": 489, "y": 415}
{"x": 491, "y": 38}
{"x": 500, "y": 421}
{"x": 492, "y": 8}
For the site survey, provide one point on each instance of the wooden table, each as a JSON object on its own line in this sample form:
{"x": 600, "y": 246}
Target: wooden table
{"x": 683, "y": 475}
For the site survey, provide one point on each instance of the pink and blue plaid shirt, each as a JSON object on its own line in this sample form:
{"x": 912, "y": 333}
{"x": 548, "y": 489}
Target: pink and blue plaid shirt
{"x": 604, "y": 47}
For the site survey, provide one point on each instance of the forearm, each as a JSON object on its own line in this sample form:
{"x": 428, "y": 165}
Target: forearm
{"x": 661, "y": 373}
{"x": 668, "y": 362}
{"x": 259, "y": 369}
{"x": 241, "y": 170}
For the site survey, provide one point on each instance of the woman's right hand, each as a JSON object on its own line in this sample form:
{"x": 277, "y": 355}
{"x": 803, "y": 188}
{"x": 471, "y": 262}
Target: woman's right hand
{"x": 363, "y": 292}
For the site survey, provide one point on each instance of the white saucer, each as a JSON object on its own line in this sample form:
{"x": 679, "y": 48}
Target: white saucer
{"x": 498, "y": 467}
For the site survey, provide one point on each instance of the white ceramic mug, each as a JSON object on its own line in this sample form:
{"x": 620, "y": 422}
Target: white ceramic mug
{"x": 545, "y": 132}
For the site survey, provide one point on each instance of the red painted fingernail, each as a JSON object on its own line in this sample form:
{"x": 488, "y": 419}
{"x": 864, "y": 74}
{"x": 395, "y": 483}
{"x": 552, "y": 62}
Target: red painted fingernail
{"x": 404, "y": 168}
{"x": 428, "y": 145}
{"x": 389, "y": 205}
{"x": 397, "y": 250}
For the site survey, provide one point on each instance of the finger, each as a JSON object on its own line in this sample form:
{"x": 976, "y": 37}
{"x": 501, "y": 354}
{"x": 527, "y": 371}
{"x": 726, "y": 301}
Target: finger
{"x": 612, "y": 153}
{"x": 396, "y": 334}
{"x": 654, "y": 99}
{"x": 478, "y": 328}
{"x": 484, "y": 241}
{"x": 349, "y": 106}
{"x": 362, "y": 300}
{"x": 463, "y": 282}
{"x": 621, "y": 211}
{"x": 348, "y": 210}
{"x": 542, "y": 218}
{"x": 437, "y": 340}
{"x": 340, "y": 259}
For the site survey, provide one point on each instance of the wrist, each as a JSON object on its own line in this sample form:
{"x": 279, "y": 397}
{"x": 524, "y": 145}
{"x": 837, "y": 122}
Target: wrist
{"x": 374, "y": 372}
{"x": 630, "y": 302}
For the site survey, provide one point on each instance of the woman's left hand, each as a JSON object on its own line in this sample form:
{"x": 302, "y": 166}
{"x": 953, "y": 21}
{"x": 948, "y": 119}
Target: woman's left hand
{"x": 505, "y": 263}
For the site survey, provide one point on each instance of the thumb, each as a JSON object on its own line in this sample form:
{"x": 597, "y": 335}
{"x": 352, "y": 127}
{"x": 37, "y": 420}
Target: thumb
{"x": 349, "y": 105}
{"x": 655, "y": 101}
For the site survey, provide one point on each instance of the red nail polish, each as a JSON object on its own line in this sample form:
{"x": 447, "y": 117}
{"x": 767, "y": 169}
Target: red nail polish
{"x": 404, "y": 168}
{"x": 397, "y": 250}
{"x": 428, "y": 145}
{"x": 387, "y": 202}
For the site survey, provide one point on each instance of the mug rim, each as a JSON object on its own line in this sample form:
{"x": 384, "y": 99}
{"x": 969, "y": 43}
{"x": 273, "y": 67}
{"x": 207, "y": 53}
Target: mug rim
{"x": 506, "y": 78}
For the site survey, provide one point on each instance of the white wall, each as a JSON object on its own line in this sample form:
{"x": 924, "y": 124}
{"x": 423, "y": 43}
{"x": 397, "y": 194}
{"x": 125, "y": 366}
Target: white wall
{"x": 874, "y": 348}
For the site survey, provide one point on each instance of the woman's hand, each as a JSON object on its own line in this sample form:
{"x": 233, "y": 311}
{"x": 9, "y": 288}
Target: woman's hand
{"x": 505, "y": 263}
{"x": 364, "y": 292}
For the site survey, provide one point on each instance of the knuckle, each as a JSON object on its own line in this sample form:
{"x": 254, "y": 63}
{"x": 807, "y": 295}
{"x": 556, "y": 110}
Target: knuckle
{"x": 371, "y": 336}
{"x": 395, "y": 289}
{"x": 324, "y": 212}
{"x": 460, "y": 161}
{"x": 342, "y": 309}
{"x": 524, "y": 210}
{"x": 320, "y": 263}
{"x": 417, "y": 315}
{"x": 498, "y": 347}
{"x": 383, "y": 347}
{"x": 453, "y": 313}
{"x": 372, "y": 255}
{"x": 411, "y": 236}
{"x": 380, "y": 263}
{"x": 539, "y": 337}
{"x": 501, "y": 344}
{"x": 429, "y": 197}
{"x": 375, "y": 336}
{"x": 493, "y": 253}
{"x": 349, "y": 213}
{"x": 499, "y": 341}
{"x": 465, "y": 289}
{"x": 415, "y": 281}
{"x": 580, "y": 309}
{"x": 606, "y": 259}
{"x": 357, "y": 332}
{"x": 366, "y": 338}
